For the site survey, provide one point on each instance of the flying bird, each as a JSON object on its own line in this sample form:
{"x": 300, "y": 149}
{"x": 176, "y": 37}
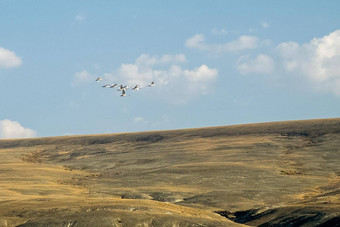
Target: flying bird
{"x": 124, "y": 88}
{"x": 152, "y": 84}
{"x": 137, "y": 87}
{"x": 121, "y": 87}
{"x": 123, "y": 93}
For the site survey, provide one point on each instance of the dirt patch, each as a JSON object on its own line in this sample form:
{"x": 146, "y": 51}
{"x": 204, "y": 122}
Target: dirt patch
{"x": 290, "y": 172}
{"x": 147, "y": 139}
{"x": 33, "y": 157}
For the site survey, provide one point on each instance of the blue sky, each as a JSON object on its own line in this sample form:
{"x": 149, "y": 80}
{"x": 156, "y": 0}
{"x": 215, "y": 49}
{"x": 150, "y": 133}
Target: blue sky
{"x": 214, "y": 63}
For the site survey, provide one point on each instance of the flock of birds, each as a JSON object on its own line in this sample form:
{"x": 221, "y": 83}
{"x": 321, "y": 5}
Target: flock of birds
{"x": 123, "y": 88}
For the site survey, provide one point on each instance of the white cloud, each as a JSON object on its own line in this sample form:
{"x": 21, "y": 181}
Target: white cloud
{"x": 12, "y": 129}
{"x": 133, "y": 74}
{"x": 244, "y": 42}
{"x": 318, "y": 61}
{"x": 201, "y": 74}
{"x": 222, "y": 31}
{"x": 8, "y": 59}
{"x": 197, "y": 42}
{"x": 145, "y": 69}
{"x": 163, "y": 69}
{"x": 262, "y": 64}
{"x": 288, "y": 49}
{"x": 82, "y": 77}
{"x": 146, "y": 60}
{"x": 140, "y": 120}
{"x": 264, "y": 24}
{"x": 68, "y": 134}
{"x": 80, "y": 17}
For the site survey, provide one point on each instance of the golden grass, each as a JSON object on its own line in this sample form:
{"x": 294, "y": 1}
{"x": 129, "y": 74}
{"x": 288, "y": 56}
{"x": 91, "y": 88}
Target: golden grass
{"x": 171, "y": 174}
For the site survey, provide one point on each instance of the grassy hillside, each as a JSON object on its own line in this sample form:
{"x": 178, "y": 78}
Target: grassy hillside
{"x": 269, "y": 173}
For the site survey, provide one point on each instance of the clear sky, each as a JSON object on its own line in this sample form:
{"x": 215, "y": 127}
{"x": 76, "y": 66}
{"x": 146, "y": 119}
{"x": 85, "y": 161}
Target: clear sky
{"x": 214, "y": 63}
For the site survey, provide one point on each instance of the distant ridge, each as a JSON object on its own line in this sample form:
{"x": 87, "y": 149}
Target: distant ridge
{"x": 312, "y": 127}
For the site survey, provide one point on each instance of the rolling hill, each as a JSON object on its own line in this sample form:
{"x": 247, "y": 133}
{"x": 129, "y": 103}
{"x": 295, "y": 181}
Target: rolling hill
{"x": 279, "y": 173}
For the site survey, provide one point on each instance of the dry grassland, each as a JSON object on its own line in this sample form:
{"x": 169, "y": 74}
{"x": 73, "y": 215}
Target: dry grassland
{"x": 271, "y": 173}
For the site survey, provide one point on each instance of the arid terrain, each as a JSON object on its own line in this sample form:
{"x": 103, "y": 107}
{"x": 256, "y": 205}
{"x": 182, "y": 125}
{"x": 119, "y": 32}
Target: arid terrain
{"x": 280, "y": 173}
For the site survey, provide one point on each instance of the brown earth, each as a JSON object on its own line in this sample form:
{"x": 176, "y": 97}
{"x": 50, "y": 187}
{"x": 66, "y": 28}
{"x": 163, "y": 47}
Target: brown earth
{"x": 281, "y": 173}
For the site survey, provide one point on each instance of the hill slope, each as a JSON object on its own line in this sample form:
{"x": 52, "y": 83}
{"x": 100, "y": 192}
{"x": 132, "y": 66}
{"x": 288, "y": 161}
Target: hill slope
{"x": 270, "y": 173}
